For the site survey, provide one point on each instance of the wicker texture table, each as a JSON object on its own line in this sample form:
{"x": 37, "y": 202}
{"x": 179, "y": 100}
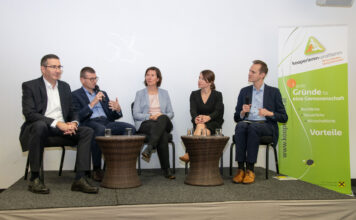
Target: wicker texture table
{"x": 204, "y": 153}
{"x": 120, "y": 154}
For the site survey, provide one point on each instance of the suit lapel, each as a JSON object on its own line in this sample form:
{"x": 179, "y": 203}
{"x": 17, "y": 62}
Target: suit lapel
{"x": 84, "y": 96}
{"x": 43, "y": 94}
{"x": 265, "y": 95}
{"x": 62, "y": 98}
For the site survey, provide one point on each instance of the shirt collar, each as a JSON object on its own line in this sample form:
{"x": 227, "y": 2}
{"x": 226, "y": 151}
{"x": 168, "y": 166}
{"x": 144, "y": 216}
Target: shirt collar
{"x": 87, "y": 92}
{"x": 49, "y": 85}
{"x": 261, "y": 89}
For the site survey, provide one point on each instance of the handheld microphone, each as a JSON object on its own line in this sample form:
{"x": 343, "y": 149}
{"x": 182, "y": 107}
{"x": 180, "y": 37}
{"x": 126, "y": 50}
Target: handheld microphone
{"x": 96, "y": 90}
{"x": 247, "y": 102}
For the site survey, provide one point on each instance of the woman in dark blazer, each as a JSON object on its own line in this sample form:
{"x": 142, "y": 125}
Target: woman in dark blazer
{"x": 206, "y": 107}
{"x": 152, "y": 113}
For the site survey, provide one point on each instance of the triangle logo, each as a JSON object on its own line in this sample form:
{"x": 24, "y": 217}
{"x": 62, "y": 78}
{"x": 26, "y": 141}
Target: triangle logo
{"x": 313, "y": 46}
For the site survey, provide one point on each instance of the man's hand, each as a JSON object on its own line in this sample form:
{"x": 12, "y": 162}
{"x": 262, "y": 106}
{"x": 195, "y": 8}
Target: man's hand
{"x": 114, "y": 105}
{"x": 68, "y": 128}
{"x": 154, "y": 117}
{"x": 99, "y": 97}
{"x": 264, "y": 112}
{"x": 245, "y": 108}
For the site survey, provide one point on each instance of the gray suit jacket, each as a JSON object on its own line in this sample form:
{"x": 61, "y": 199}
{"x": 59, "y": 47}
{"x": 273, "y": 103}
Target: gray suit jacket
{"x": 142, "y": 106}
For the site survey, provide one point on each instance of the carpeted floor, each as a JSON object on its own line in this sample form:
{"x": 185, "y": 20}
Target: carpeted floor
{"x": 156, "y": 189}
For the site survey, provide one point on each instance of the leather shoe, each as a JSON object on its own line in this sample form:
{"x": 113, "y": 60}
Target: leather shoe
{"x": 37, "y": 186}
{"x": 249, "y": 177}
{"x": 185, "y": 158}
{"x": 82, "y": 185}
{"x": 98, "y": 175}
{"x": 147, "y": 152}
{"x": 168, "y": 174}
{"x": 239, "y": 177}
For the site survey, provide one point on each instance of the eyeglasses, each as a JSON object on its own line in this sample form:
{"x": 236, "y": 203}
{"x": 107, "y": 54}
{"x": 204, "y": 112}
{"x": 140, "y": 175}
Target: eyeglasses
{"x": 55, "y": 67}
{"x": 93, "y": 79}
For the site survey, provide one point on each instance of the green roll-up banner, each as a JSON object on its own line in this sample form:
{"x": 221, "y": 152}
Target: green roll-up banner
{"x": 314, "y": 143}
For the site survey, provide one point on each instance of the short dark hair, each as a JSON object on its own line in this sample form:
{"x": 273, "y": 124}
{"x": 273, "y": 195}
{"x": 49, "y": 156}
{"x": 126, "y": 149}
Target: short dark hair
{"x": 209, "y": 77}
{"x": 86, "y": 69}
{"x": 47, "y": 57}
{"x": 158, "y": 73}
{"x": 264, "y": 68}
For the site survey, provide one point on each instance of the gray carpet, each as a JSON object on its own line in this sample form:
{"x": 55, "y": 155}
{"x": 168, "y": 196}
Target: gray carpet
{"x": 156, "y": 189}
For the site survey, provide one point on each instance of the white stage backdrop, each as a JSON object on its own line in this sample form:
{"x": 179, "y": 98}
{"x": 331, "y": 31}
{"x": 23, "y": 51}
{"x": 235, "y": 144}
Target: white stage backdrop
{"x": 120, "y": 39}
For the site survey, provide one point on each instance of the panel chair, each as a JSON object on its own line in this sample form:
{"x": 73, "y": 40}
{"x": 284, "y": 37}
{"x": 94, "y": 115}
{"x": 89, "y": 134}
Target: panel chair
{"x": 170, "y": 141}
{"x": 54, "y": 141}
{"x": 264, "y": 140}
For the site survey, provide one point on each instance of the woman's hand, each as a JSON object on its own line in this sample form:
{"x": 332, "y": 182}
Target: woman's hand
{"x": 154, "y": 117}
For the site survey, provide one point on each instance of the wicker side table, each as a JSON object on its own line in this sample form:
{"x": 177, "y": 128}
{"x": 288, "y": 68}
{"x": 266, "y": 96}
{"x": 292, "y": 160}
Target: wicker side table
{"x": 204, "y": 153}
{"x": 120, "y": 154}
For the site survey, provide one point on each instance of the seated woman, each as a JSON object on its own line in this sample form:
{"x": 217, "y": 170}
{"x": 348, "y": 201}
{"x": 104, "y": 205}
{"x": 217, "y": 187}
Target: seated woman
{"x": 206, "y": 107}
{"x": 152, "y": 113}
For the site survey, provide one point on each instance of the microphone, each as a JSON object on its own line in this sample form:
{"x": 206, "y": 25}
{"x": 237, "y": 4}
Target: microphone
{"x": 247, "y": 102}
{"x": 96, "y": 90}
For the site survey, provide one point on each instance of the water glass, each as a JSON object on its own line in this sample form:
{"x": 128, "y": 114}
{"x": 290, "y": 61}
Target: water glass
{"x": 129, "y": 131}
{"x": 107, "y": 132}
{"x": 189, "y": 132}
{"x": 218, "y": 132}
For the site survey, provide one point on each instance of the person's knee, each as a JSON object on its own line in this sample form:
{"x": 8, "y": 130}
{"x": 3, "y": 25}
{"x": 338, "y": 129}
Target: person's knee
{"x": 241, "y": 127}
{"x": 163, "y": 118}
{"x": 39, "y": 128}
{"x": 99, "y": 130}
{"x": 86, "y": 131}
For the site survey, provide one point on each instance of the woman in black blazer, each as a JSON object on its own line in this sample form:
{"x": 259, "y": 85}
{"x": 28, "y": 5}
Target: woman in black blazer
{"x": 206, "y": 107}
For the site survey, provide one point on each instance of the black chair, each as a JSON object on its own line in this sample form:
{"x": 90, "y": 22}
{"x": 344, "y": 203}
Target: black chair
{"x": 170, "y": 141}
{"x": 264, "y": 140}
{"x": 55, "y": 141}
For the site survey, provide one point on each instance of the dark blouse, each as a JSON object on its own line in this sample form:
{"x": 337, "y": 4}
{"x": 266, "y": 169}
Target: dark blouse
{"x": 213, "y": 107}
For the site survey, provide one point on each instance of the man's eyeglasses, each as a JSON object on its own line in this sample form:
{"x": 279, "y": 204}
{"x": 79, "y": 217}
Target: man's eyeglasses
{"x": 93, "y": 79}
{"x": 55, "y": 67}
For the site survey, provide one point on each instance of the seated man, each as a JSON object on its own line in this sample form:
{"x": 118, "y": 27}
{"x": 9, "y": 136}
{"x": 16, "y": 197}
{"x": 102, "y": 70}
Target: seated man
{"x": 47, "y": 107}
{"x": 97, "y": 111}
{"x": 255, "y": 119}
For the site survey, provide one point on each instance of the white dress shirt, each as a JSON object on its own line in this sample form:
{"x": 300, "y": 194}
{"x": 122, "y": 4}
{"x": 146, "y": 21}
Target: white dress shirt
{"x": 54, "y": 108}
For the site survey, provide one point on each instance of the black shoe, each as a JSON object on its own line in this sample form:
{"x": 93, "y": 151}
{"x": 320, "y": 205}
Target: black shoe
{"x": 168, "y": 174}
{"x": 82, "y": 185}
{"x": 98, "y": 175}
{"x": 147, "y": 152}
{"x": 37, "y": 186}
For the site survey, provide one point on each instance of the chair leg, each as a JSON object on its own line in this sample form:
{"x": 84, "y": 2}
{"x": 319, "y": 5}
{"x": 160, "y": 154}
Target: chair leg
{"x": 222, "y": 164}
{"x": 276, "y": 158}
{"x": 139, "y": 163}
{"x": 173, "y": 157}
{"x": 27, "y": 166}
{"x": 267, "y": 160}
{"x": 231, "y": 150}
{"x": 62, "y": 160}
{"x": 186, "y": 168}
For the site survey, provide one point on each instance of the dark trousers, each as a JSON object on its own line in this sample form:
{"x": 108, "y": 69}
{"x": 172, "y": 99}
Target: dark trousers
{"x": 158, "y": 133}
{"x": 40, "y": 131}
{"x": 247, "y": 139}
{"x": 99, "y": 125}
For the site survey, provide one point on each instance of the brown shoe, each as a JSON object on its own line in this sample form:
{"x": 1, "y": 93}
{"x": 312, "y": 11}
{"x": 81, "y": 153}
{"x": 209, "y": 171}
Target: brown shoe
{"x": 98, "y": 175}
{"x": 249, "y": 177}
{"x": 239, "y": 177}
{"x": 185, "y": 158}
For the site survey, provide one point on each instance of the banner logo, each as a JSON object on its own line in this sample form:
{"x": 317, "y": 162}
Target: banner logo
{"x": 313, "y": 46}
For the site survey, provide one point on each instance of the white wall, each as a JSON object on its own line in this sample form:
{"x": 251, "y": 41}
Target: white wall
{"x": 120, "y": 39}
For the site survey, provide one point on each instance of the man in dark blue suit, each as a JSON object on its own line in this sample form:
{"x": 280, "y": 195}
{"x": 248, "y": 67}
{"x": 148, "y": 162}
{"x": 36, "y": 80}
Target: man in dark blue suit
{"x": 259, "y": 108}
{"x": 97, "y": 111}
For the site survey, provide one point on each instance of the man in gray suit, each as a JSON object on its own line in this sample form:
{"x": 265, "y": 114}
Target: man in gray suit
{"x": 47, "y": 107}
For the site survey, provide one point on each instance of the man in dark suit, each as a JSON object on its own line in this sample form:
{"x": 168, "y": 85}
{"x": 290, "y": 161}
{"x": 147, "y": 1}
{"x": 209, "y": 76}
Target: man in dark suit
{"x": 97, "y": 111}
{"x": 47, "y": 107}
{"x": 259, "y": 108}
